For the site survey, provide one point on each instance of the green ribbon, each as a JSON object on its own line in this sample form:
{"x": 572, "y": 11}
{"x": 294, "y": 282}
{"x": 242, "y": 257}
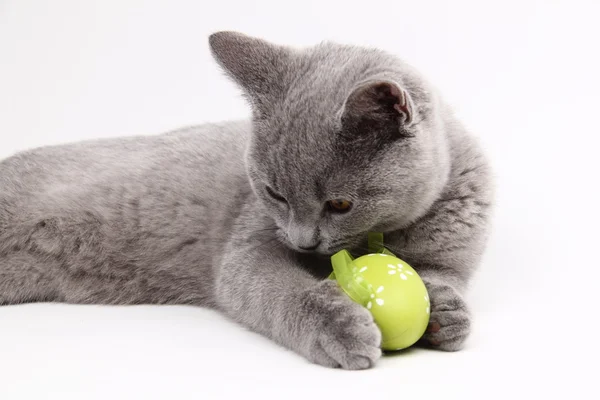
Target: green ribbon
{"x": 345, "y": 270}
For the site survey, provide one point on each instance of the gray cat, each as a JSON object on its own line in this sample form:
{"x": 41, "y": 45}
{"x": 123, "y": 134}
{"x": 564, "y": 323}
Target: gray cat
{"x": 242, "y": 216}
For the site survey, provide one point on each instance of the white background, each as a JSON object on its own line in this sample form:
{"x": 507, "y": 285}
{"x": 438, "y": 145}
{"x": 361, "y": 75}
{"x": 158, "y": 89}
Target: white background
{"x": 522, "y": 74}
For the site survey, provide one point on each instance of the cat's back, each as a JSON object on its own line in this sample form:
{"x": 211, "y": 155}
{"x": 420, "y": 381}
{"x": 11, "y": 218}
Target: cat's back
{"x": 208, "y": 150}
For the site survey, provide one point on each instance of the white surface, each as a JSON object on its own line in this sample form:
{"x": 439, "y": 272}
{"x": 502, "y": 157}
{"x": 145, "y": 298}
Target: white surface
{"x": 522, "y": 74}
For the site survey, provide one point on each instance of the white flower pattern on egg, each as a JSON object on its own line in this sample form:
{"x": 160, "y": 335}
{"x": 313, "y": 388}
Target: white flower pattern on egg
{"x": 397, "y": 269}
{"x": 426, "y": 297}
{"x": 374, "y": 298}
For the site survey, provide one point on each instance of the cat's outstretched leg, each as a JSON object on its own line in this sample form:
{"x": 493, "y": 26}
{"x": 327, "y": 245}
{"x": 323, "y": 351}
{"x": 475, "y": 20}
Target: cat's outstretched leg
{"x": 261, "y": 285}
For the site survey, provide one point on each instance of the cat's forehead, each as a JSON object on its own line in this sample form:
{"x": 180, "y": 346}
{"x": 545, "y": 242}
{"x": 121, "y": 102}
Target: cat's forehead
{"x": 308, "y": 150}
{"x": 324, "y": 76}
{"x": 301, "y": 120}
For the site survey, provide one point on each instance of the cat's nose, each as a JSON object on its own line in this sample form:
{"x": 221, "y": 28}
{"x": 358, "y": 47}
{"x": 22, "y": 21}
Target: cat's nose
{"x": 311, "y": 247}
{"x": 302, "y": 236}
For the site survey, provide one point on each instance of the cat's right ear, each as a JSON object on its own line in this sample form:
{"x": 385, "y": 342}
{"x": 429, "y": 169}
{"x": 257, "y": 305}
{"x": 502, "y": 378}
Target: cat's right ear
{"x": 379, "y": 106}
{"x": 255, "y": 64}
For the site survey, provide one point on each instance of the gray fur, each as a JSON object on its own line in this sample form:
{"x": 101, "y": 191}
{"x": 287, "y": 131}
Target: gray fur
{"x": 185, "y": 218}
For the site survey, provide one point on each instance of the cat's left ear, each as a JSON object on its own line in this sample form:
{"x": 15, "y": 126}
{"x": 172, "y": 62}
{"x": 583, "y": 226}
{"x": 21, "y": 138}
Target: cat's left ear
{"x": 255, "y": 64}
{"x": 379, "y": 104}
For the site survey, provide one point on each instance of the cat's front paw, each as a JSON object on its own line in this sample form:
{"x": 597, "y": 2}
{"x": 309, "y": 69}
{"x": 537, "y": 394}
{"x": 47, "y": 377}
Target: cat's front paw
{"x": 450, "y": 321}
{"x": 343, "y": 334}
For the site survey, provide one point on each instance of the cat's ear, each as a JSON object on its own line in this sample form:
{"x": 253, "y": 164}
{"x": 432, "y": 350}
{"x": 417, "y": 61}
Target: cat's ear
{"x": 255, "y": 64}
{"x": 379, "y": 104}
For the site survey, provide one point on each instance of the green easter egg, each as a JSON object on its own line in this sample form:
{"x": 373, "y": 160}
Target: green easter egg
{"x": 399, "y": 301}
{"x": 391, "y": 290}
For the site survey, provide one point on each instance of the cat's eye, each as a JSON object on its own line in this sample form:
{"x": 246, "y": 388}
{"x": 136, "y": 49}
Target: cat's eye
{"x": 274, "y": 195}
{"x": 339, "y": 206}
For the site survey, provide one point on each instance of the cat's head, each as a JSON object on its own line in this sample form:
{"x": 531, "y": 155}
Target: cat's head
{"x": 345, "y": 139}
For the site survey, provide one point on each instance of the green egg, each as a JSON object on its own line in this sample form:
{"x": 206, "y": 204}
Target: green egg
{"x": 391, "y": 290}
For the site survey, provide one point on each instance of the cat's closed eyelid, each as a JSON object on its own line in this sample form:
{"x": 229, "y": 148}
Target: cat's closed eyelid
{"x": 275, "y": 195}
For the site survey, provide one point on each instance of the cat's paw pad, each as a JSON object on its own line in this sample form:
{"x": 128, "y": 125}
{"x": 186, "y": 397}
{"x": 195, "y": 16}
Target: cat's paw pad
{"x": 450, "y": 321}
{"x": 345, "y": 334}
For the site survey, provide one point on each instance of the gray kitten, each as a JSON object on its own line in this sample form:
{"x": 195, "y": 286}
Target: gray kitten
{"x": 242, "y": 216}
